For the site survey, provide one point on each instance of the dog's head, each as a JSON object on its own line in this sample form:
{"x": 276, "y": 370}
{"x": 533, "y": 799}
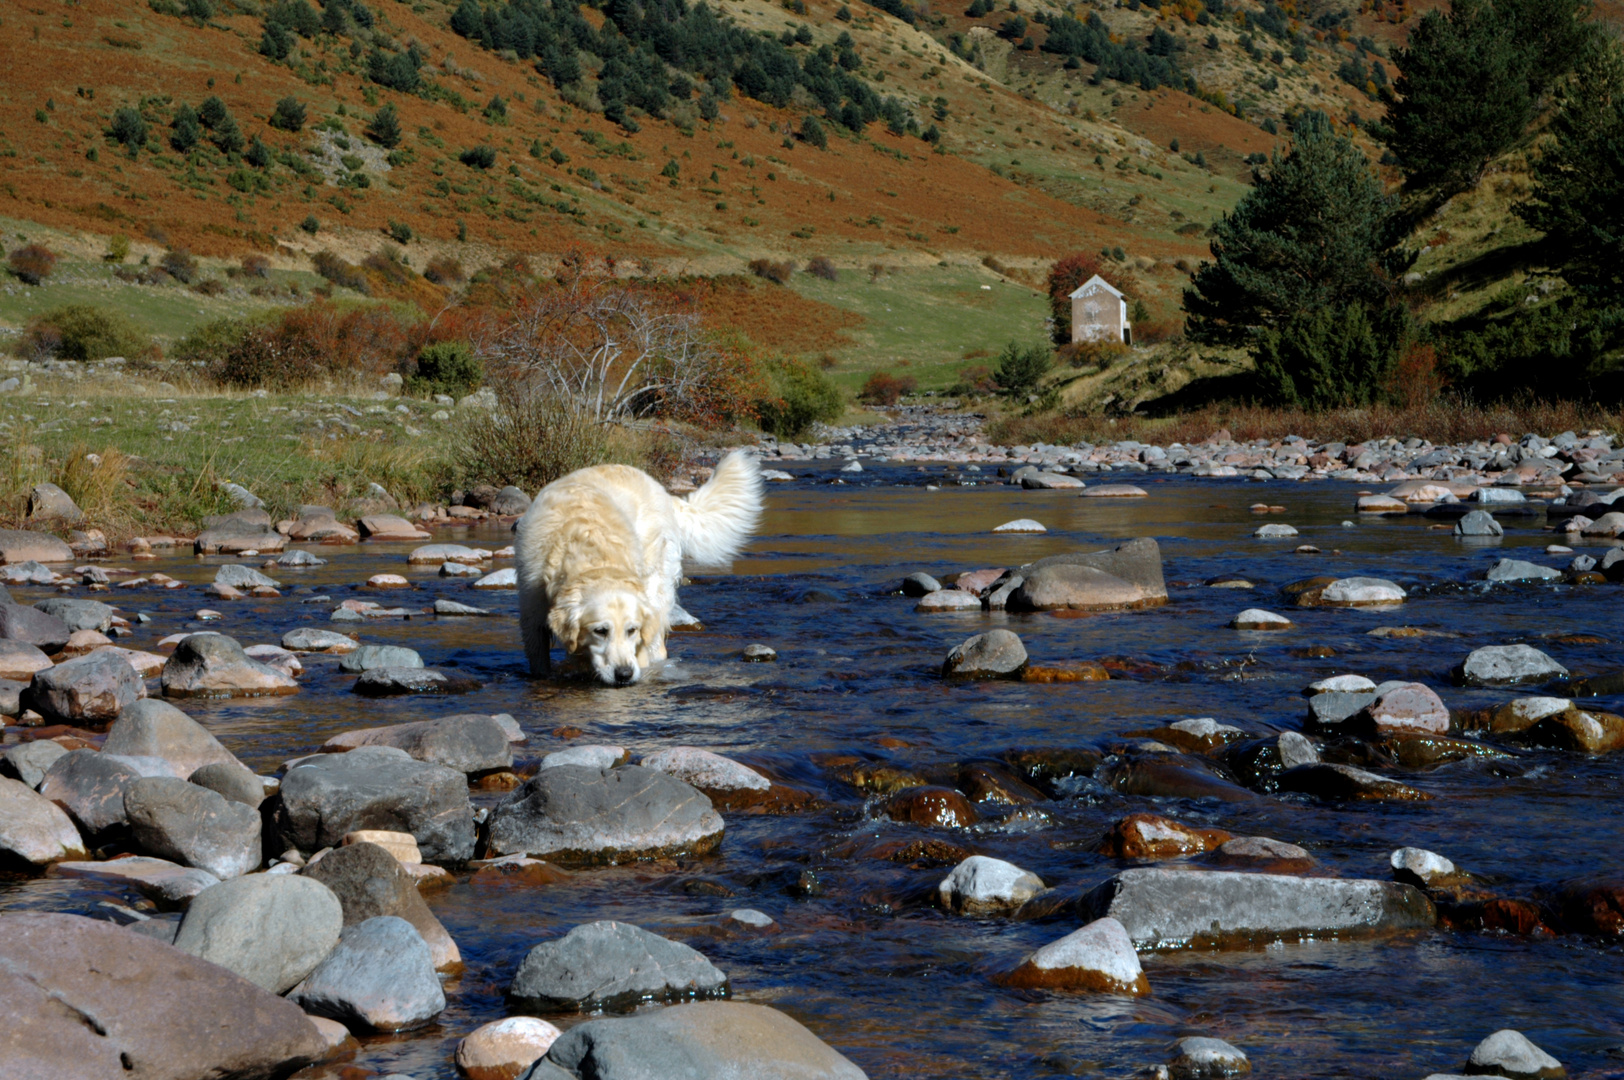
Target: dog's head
{"x": 612, "y": 627}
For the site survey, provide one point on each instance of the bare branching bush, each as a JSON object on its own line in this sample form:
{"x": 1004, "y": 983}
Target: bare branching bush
{"x": 778, "y": 273}
{"x": 823, "y": 267}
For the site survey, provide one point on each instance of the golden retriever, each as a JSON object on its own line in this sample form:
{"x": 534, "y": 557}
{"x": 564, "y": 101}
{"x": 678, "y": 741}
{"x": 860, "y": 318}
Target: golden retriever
{"x": 600, "y": 551}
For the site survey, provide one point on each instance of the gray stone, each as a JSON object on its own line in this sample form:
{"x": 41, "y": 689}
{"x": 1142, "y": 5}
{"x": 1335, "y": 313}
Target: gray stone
{"x": 45, "y": 632}
{"x": 596, "y": 757}
{"x": 11, "y": 697}
{"x": 272, "y": 929}
{"x": 33, "y": 829}
{"x": 239, "y": 576}
{"x": 1098, "y": 958}
{"x": 21, "y": 545}
{"x": 47, "y": 502}
{"x": 90, "y": 689}
{"x": 1337, "y": 782}
{"x": 1510, "y": 1053}
{"x": 214, "y": 665}
{"x": 299, "y": 559}
{"x": 378, "y": 978}
{"x": 90, "y": 1000}
{"x": 510, "y": 502}
{"x": 612, "y": 964}
{"x": 376, "y": 787}
{"x": 451, "y": 607}
{"x": 370, "y": 882}
{"x": 78, "y": 614}
{"x": 1508, "y": 665}
{"x": 245, "y": 530}
{"x": 191, "y": 825}
{"x": 368, "y": 657}
{"x": 1273, "y": 531}
{"x": 395, "y": 681}
{"x": 918, "y": 584}
{"x": 980, "y": 885}
{"x": 30, "y": 761}
{"x": 155, "y": 731}
{"x": 997, "y": 654}
{"x": 232, "y": 781}
{"x": 757, "y": 653}
{"x": 1518, "y": 570}
{"x": 1218, "y": 908}
{"x": 20, "y": 660}
{"x": 1479, "y": 523}
{"x": 575, "y": 813}
{"x": 1199, "y": 1058}
{"x": 91, "y": 788}
{"x": 1127, "y": 576}
{"x": 169, "y": 885}
{"x": 309, "y": 639}
{"x": 715, "y": 1040}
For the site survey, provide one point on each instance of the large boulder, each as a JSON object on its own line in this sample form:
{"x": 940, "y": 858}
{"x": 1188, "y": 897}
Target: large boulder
{"x": 376, "y": 787}
{"x": 32, "y": 627}
{"x": 34, "y": 831}
{"x": 997, "y": 654}
{"x": 1223, "y": 909}
{"x": 1099, "y": 958}
{"x": 271, "y": 929}
{"x": 719, "y": 1039}
{"x": 165, "y": 739}
{"x": 90, "y": 690}
{"x": 78, "y": 614}
{"x": 47, "y": 502}
{"x": 213, "y": 665}
{"x": 580, "y": 814}
{"x": 370, "y": 882}
{"x": 91, "y": 788}
{"x": 469, "y": 742}
{"x": 378, "y": 978}
{"x": 235, "y": 782}
{"x": 612, "y": 964}
{"x": 1127, "y": 576}
{"x": 1508, "y": 665}
{"x": 194, "y": 826}
{"x": 89, "y": 1000}
{"x": 21, "y": 545}
{"x": 30, "y": 761}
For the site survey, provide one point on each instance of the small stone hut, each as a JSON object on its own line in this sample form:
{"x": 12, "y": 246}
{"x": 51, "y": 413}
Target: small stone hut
{"x": 1099, "y": 313}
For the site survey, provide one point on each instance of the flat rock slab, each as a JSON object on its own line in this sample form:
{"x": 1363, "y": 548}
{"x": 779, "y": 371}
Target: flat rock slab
{"x": 376, "y": 787}
{"x": 579, "y": 814}
{"x": 379, "y": 978}
{"x": 609, "y": 964}
{"x": 271, "y": 929}
{"x": 158, "y": 1014}
{"x": 713, "y": 1039}
{"x": 469, "y": 743}
{"x": 1219, "y": 908}
{"x": 169, "y": 885}
{"x": 1116, "y": 491}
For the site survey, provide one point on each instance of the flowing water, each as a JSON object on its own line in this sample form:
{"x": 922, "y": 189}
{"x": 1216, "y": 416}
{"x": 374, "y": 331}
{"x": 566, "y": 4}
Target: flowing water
{"x": 859, "y": 955}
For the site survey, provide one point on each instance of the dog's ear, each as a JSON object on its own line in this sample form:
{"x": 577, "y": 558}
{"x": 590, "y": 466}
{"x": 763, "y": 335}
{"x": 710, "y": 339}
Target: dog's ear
{"x": 565, "y": 623}
{"x": 653, "y": 620}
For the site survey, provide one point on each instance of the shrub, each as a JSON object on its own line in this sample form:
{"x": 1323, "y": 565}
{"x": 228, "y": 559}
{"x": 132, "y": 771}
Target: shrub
{"x": 118, "y": 248}
{"x": 310, "y": 225}
{"x": 478, "y": 157}
{"x": 444, "y": 270}
{"x": 1099, "y": 354}
{"x": 387, "y": 264}
{"x": 1020, "y": 369}
{"x": 446, "y": 367}
{"x": 384, "y": 128}
{"x": 812, "y": 133}
{"x": 184, "y": 132}
{"x": 345, "y": 275}
{"x": 32, "y": 263}
{"x": 256, "y": 266}
{"x": 885, "y": 389}
{"x": 822, "y": 267}
{"x": 179, "y": 264}
{"x": 1330, "y": 357}
{"x": 802, "y": 396}
{"x": 209, "y": 287}
{"x": 83, "y": 332}
{"x": 207, "y": 345}
{"x": 400, "y": 232}
{"x": 128, "y": 128}
{"x": 530, "y": 439}
{"x": 289, "y": 115}
{"x": 776, "y": 272}
{"x": 312, "y": 344}
{"x": 974, "y": 380}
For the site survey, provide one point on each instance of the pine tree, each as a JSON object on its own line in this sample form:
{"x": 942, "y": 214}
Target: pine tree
{"x": 1316, "y": 231}
{"x": 384, "y": 128}
{"x": 1329, "y": 357}
{"x": 184, "y": 133}
{"x": 289, "y": 115}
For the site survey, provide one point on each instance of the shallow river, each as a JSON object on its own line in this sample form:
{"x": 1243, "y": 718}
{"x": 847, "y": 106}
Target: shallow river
{"x": 861, "y": 958}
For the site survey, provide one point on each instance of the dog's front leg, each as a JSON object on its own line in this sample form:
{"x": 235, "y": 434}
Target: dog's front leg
{"x": 537, "y": 637}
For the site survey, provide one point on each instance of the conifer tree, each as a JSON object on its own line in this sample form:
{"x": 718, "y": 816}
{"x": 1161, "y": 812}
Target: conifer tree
{"x": 384, "y": 128}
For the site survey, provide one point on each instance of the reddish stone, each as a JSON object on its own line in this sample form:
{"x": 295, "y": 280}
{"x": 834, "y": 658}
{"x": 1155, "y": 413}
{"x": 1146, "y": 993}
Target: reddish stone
{"x": 1147, "y": 836}
{"x": 1593, "y": 905}
{"x": 1066, "y": 671}
{"x": 931, "y": 806}
{"x": 1520, "y": 917}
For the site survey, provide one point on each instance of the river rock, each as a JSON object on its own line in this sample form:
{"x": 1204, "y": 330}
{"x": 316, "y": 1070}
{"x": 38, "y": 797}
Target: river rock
{"x": 213, "y": 665}
{"x": 594, "y": 757}
{"x": 452, "y": 608}
{"x": 160, "y": 735}
{"x": 1263, "y": 852}
{"x": 918, "y": 584}
{"x": 1162, "y": 908}
{"x": 1508, "y": 665}
{"x": 397, "y": 681}
{"x": 611, "y": 964}
{"x": 1020, "y": 525}
{"x": 1049, "y": 481}
{"x": 1510, "y": 1053}
{"x": 177, "y": 820}
{"x": 91, "y": 788}
{"x": 503, "y": 1049}
{"x": 1127, "y": 576}
{"x": 468, "y": 742}
{"x": 1147, "y": 836}
{"x": 272, "y": 929}
{"x": 234, "y": 782}
{"x": 948, "y": 600}
{"x": 710, "y": 773}
{"x": 1360, "y": 592}
{"x": 997, "y": 654}
{"x": 435, "y": 554}
{"x": 1273, "y": 531}
{"x": 1523, "y": 713}
{"x": 1519, "y": 570}
{"x": 1200, "y": 1058}
{"x": 47, "y": 502}
{"x": 1418, "y": 866}
{"x": 30, "y": 627}
{"x": 369, "y": 882}
{"x": 579, "y": 814}
{"x": 1403, "y": 707}
{"x": 1170, "y": 776}
{"x": 711, "y": 1039}
{"x": 139, "y": 1008}
{"x": 89, "y": 690}
{"x": 169, "y": 885}
{"x": 1341, "y": 684}
{"x": 402, "y": 846}
{"x": 238, "y": 576}
{"x": 376, "y": 787}
{"x": 1258, "y": 619}
{"x": 932, "y": 807}
{"x": 378, "y": 978}
{"x": 20, "y": 661}
{"x": 1099, "y": 958}
{"x": 299, "y": 559}
{"x": 1479, "y": 523}
{"x": 1581, "y": 731}
{"x": 1198, "y": 735}
{"x": 384, "y": 527}
{"x": 506, "y": 578}
{"x": 274, "y": 656}
{"x": 33, "y": 829}
{"x": 22, "y": 545}
{"x": 1344, "y": 782}
{"x": 307, "y": 639}
{"x": 238, "y": 533}
{"x": 984, "y": 886}
{"x": 30, "y": 761}
{"x": 1258, "y": 763}
{"x": 368, "y": 657}
{"x": 79, "y": 614}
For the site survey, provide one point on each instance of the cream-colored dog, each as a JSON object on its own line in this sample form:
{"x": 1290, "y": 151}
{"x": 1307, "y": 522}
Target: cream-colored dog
{"x": 599, "y": 553}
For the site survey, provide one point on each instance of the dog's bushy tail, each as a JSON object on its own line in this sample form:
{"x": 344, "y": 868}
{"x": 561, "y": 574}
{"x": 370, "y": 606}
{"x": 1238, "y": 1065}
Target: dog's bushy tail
{"x": 716, "y": 521}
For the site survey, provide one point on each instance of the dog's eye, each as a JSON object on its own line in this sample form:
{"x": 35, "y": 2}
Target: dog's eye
{"x": 601, "y": 631}
{"x": 631, "y": 631}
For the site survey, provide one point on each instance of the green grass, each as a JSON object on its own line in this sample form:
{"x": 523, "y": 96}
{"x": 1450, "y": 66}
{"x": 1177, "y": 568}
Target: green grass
{"x": 922, "y": 322}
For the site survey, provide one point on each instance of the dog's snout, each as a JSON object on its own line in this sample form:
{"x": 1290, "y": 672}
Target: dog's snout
{"x": 624, "y": 674}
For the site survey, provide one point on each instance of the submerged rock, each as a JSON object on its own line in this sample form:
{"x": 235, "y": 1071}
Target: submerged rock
{"x": 1339, "y": 783}
{"x": 1099, "y": 958}
{"x": 1147, "y": 836}
{"x": 1127, "y": 576}
{"x": 1509, "y": 570}
{"x": 1200, "y": 1058}
{"x": 997, "y": 654}
{"x": 611, "y": 964}
{"x": 579, "y": 814}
